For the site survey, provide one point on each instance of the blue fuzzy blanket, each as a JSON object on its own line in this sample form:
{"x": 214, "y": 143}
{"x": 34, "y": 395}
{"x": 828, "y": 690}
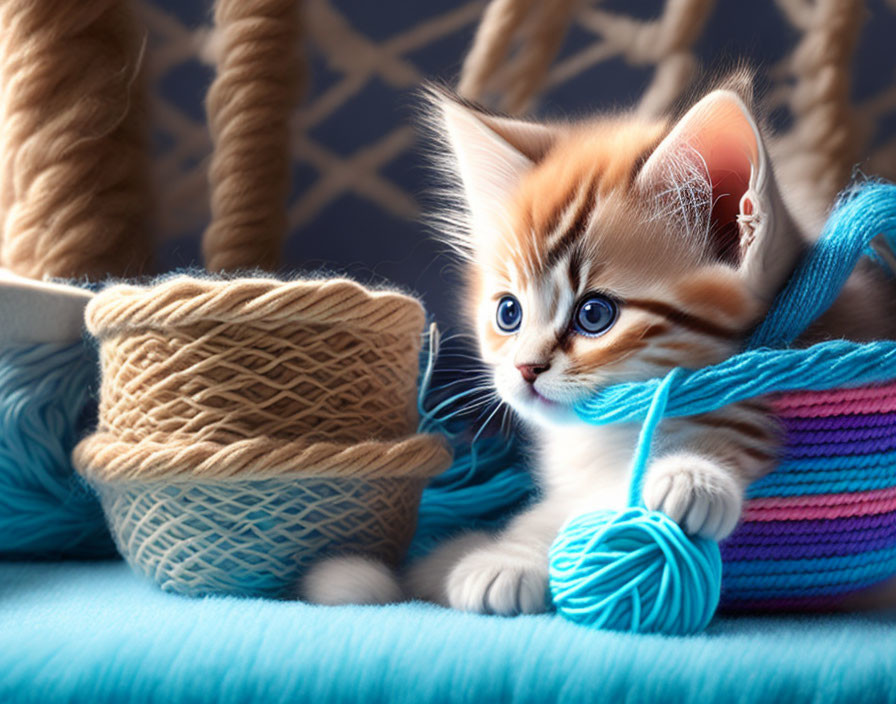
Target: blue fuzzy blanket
{"x": 95, "y": 633}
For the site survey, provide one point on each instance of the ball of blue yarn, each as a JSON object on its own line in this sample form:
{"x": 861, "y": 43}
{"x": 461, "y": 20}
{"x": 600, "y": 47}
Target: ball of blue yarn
{"x": 634, "y": 570}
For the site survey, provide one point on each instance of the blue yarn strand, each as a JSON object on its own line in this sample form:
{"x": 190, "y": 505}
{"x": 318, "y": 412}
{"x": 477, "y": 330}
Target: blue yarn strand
{"x": 862, "y": 213}
{"x": 827, "y": 365}
{"x": 655, "y": 413}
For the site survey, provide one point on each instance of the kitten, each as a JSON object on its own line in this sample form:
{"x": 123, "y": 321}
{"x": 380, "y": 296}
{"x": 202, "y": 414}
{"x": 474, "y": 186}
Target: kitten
{"x": 612, "y": 250}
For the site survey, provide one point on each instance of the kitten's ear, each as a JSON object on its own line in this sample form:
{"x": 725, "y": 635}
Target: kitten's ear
{"x": 716, "y": 151}
{"x": 492, "y": 153}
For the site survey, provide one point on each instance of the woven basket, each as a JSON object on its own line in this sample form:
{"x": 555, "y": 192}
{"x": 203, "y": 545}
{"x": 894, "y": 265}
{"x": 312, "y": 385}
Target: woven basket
{"x": 248, "y": 426}
{"x": 821, "y": 527}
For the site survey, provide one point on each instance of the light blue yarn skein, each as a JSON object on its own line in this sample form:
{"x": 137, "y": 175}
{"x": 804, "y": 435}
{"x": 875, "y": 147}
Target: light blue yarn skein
{"x": 637, "y": 571}
{"x": 45, "y": 404}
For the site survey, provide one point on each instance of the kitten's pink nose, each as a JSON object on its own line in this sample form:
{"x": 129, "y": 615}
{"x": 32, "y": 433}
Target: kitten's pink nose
{"x": 530, "y": 372}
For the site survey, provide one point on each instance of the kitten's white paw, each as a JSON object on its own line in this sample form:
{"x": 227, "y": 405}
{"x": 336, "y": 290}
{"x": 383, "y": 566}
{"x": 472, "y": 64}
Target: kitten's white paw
{"x": 697, "y": 493}
{"x": 349, "y": 579}
{"x": 498, "y": 579}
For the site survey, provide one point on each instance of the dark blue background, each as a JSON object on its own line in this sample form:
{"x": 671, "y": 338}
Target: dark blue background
{"x": 354, "y": 235}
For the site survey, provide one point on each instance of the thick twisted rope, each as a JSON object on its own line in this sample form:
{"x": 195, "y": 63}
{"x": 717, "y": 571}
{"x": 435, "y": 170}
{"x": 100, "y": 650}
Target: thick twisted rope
{"x": 494, "y": 36}
{"x": 185, "y": 301}
{"x": 74, "y": 196}
{"x": 826, "y": 124}
{"x": 517, "y": 41}
{"x": 104, "y": 457}
{"x": 541, "y": 41}
{"x": 249, "y": 108}
{"x": 819, "y": 153}
{"x": 535, "y": 30}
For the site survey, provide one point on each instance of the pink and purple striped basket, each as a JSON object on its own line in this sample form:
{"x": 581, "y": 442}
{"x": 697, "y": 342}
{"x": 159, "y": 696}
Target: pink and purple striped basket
{"x": 822, "y": 526}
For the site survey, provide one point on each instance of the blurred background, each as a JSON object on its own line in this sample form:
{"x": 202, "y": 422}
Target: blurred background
{"x": 360, "y": 173}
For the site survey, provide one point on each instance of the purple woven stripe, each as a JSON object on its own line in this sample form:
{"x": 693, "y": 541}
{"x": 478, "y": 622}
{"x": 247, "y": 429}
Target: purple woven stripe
{"x": 870, "y": 420}
{"x": 790, "y": 530}
{"x": 852, "y": 545}
{"x": 795, "y": 540}
{"x": 842, "y": 449}
{"x": 843, "y": 435}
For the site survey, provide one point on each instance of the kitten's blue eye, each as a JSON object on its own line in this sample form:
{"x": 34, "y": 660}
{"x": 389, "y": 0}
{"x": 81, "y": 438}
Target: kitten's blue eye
{"x": 594, "y": 315}
{"x": 510, "y": 314}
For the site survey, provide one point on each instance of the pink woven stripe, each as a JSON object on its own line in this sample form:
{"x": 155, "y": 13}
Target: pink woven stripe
{"x": 879, "y": 398}
{"x": 822, "y": 506}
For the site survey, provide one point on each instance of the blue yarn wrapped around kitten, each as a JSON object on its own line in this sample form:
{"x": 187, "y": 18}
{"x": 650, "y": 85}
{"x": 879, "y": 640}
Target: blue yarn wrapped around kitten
{"x": 637, "y": 570}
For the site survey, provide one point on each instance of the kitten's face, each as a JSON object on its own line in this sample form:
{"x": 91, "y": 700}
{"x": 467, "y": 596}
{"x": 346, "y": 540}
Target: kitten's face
{"x": 607, "y": 252}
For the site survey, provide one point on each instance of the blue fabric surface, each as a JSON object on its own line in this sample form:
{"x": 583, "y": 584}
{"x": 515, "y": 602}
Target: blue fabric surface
{"x": 94, "y": 632}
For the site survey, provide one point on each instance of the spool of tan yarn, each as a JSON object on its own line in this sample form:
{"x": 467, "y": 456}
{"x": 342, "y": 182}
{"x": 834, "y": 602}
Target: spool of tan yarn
{"x": 73, "y": 174}
{"x": 224, "y": 361}
{"x": 214, "y": 378}
{"x": 249, "y": 426}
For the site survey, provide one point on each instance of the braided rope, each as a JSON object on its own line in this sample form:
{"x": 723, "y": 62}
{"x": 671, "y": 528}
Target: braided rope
{"x": 104, "y": 457}
{"x": 497, "y": 28}
{"x": 819, "y": 153}
{"x": 247, "y": 426}
{"x": 249, "y": 108}
{"x": 74, "y": 197}
{"x": 184, "y": 301}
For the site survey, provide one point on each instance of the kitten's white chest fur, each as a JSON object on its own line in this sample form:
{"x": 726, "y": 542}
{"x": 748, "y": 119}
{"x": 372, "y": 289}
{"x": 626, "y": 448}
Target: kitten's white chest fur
{"x": 585, "y": 468}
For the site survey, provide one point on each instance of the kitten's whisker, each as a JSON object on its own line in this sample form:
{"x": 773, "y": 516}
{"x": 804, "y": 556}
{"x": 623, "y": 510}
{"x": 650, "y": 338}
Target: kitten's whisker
{"x": 487, "y": 420}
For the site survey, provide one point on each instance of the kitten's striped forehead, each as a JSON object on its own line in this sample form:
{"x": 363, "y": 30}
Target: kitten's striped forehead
{"x": 558, "y": 200}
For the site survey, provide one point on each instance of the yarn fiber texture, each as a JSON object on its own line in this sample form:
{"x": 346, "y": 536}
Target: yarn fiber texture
{"x": 581, "y": 571}
{"x": 247, "y": 425}
{"x": 249, "y": 107}
{"x": 45, "y": 508}
{"x": 74, "y": 171}
{"x": 644, "y": 562}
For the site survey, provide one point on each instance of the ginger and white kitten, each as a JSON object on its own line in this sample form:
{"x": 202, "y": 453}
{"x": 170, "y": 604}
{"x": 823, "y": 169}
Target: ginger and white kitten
{"x": 614, "y": 250}
{"x": 609, "y": 250}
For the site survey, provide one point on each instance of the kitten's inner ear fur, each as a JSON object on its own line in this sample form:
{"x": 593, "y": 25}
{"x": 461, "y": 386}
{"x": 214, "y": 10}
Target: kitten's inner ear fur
{"x": 746, "y": 224}
{"x": 492, "y": 153}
